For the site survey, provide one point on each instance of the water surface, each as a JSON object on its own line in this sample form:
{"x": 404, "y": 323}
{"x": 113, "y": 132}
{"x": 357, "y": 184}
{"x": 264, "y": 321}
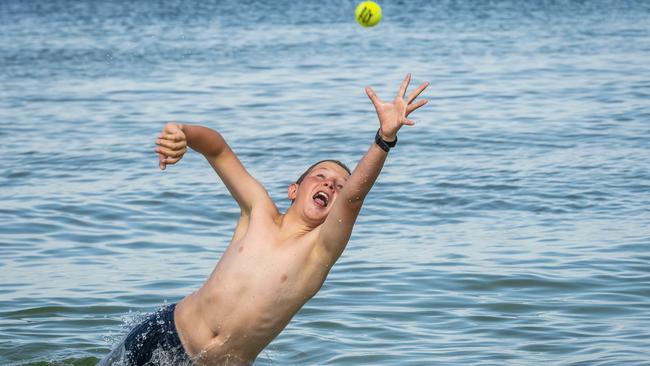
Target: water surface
{"x": 509, "y": 226}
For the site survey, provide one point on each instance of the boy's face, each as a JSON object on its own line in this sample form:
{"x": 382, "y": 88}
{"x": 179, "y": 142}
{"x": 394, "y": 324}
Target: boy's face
{"x": 316, "y": 194}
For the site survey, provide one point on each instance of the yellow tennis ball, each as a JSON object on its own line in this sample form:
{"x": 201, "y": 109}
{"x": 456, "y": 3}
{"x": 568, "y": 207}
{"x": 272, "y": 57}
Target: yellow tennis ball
{"x": 368, "y": 14}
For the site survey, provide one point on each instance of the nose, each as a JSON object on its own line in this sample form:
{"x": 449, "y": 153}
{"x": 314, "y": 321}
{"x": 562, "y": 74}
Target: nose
{"x": 330, "y": 185}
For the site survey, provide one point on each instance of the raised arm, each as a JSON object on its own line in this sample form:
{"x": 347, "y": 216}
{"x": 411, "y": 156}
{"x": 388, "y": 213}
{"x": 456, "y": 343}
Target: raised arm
{"x": 173, "y": 143}
{"x": 337, "y": 228}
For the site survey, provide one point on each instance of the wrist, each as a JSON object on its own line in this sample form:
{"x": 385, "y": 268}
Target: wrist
{"x": 387, "y": 138}
{"x": 383, "y": 143}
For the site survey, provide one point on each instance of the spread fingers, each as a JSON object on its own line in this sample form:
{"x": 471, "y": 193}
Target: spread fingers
{"x": 404, "y": 86}
{"x": 373, "y": 97}
{"x": 416, "y": 105}
{"x": 417, "y": 92}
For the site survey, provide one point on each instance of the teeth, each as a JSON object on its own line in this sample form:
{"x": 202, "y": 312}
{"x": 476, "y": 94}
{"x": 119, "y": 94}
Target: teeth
{"x": 323, "y": 196}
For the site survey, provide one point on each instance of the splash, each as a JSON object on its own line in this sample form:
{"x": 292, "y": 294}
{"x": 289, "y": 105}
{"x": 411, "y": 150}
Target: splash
{"x": 127, "y": 322}
{"x": 160, "y": 356}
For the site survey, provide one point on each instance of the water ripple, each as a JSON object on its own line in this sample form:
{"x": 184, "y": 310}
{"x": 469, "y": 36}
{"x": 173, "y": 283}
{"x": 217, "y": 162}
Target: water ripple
{"x": 508, "y": 226}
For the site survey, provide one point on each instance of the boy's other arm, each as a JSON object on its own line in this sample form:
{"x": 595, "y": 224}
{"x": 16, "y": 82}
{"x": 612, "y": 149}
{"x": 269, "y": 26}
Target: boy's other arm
{"x": 245, "y": 189}
{"x": 337, "y": 228}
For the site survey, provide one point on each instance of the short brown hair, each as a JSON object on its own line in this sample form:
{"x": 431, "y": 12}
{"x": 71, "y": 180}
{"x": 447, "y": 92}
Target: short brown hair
{"x": 322, "y": 161}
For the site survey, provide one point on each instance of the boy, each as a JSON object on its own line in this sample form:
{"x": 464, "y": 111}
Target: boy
{"x": 275, "y": 262}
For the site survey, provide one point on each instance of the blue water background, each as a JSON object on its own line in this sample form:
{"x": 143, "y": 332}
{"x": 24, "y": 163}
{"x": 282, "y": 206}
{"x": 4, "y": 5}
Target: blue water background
{"x": 510, "y": 226}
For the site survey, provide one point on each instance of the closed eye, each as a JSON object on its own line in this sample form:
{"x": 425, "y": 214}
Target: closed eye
{"x": 321, "y": 176}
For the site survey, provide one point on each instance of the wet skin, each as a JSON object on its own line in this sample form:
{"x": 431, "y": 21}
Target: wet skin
{"x": 270, "y": 269}
{"x": 275, "y": 262}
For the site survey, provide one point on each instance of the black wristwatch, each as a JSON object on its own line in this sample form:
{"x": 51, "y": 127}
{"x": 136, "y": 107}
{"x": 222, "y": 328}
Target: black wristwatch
{"x": 383, "y": 144}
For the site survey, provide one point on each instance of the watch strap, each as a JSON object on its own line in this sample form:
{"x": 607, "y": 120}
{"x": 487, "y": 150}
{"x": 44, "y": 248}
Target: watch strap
{"x": 383, "y": 144}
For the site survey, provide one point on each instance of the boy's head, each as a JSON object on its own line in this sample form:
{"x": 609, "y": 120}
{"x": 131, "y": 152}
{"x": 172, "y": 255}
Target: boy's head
{"x": 317, "y": 188}
{"x": 302, "y": 177}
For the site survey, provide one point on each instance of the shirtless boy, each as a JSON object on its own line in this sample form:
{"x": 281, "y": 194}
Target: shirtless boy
{"x": 275, "y": 262}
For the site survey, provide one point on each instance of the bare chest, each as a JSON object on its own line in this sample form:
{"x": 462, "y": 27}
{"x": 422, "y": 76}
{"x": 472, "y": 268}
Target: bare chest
{"x": 270, "y": 269}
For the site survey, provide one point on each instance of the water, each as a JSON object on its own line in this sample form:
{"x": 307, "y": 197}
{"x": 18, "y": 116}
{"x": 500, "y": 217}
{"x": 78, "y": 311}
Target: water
{"x": 509, "y": 226}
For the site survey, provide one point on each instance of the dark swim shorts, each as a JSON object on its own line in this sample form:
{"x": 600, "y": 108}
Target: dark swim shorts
{"x": 155, "y": 341}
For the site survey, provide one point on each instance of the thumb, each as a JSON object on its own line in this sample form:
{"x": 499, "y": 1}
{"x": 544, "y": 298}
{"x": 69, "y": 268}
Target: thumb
{"x": 161, "y": 161}
{"x": 373, "y": 97}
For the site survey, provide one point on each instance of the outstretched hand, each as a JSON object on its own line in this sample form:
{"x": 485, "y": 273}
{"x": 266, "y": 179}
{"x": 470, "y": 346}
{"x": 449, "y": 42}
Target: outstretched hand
{"x": 171, "y": 144}
{"x": 393, "y": 115}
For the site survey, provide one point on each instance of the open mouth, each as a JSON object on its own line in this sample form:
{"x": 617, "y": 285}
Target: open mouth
{"x": 321, "y": 199}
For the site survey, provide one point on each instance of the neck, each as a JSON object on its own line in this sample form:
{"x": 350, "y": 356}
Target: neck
{"x": 292, "y": 224}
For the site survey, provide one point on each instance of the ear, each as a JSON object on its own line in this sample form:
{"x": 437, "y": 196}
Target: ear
{"x": 292, "y": 191}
